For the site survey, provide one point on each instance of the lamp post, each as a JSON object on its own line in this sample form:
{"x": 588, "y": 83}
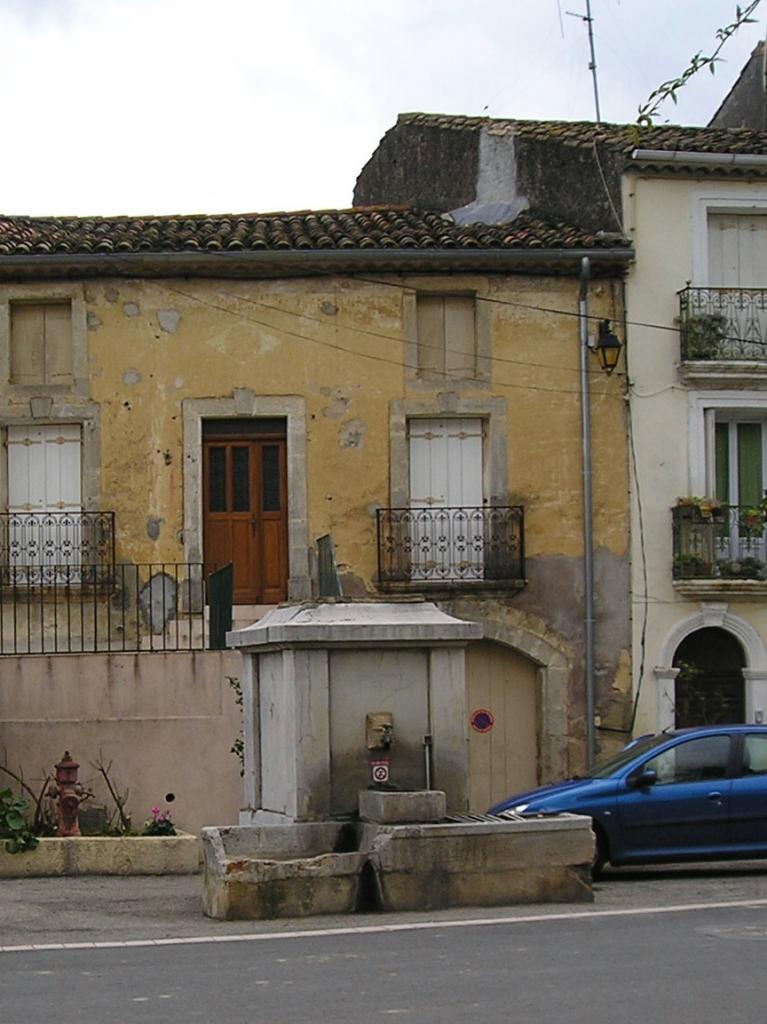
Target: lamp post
{"x": 608, "y": 348}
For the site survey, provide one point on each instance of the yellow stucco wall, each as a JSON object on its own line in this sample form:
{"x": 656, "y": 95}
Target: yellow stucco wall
{"x": 340, "y": 344}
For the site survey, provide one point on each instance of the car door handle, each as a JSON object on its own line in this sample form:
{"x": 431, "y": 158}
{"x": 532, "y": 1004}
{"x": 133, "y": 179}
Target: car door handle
{"x": 716, "y": 795}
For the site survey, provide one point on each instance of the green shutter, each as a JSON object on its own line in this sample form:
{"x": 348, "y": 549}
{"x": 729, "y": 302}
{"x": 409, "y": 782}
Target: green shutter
{"x": 750, "y": 486}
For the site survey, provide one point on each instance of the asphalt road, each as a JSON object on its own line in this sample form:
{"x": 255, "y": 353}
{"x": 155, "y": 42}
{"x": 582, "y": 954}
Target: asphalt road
{"x": 679, "y": 944}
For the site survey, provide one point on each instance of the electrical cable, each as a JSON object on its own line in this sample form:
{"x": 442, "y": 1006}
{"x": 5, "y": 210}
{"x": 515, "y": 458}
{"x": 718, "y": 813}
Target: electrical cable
{"x": 383, "y": 359}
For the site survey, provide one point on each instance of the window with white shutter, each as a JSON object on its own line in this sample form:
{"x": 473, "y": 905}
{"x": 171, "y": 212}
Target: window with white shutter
{"x": 446, "y": 498}
{"x": 44, "y": 501}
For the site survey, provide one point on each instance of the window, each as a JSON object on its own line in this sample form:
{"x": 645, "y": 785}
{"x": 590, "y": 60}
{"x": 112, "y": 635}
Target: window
{"x": 41, "y": 343}
{"x": 755, "y": 755}
{"x": 447, "y": 335}
{"x": 45, "y": 529}
{"x": 739, "y": 457}
{"x": 737, "y": 250}
{"x": 446, "y": 497}
{"x": 693, "y": 761}
{"x": 740, "y": 449}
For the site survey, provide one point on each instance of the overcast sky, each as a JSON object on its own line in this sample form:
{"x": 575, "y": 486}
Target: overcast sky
{"x": 183, "y": 106}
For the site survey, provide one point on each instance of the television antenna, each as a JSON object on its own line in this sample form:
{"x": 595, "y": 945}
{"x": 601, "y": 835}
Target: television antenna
{"x": 593, "y": 62}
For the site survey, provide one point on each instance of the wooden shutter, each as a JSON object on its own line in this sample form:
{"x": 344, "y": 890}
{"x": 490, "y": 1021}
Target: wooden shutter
{"x": 41, "y": 343}
{"x": 44, "y": 468}
{"x": 737, "y": 250}
{"x": 447, "y": 334}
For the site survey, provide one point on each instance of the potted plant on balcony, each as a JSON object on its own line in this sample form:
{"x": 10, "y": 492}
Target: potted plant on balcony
{"x": 751, "y": 518}
{"x": 742, "y": 569}
{"x": 703, "y": 336}
{"x": 697, "y": 509}
{"x": 687, "y": 567}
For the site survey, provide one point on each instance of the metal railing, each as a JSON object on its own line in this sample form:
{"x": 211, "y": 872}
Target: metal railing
{"x": 40, "y": 547}
{"x": 157, "y": 606}
{"x": 422, "y": 547}
{"x": 727, "y": 542}
{"x": 723, "y": 323}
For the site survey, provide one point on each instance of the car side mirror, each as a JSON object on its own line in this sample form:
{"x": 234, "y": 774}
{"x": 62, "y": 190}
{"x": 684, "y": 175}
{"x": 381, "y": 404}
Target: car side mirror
{"x": 646, "y": 777}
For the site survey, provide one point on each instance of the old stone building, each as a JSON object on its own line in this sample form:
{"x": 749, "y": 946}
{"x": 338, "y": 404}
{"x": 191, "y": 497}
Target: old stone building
{"x": 183, "y": 392}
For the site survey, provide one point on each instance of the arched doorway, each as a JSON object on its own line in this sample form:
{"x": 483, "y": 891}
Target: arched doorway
{"x": 709, "y": 688}
{"x": 502, "y": 701}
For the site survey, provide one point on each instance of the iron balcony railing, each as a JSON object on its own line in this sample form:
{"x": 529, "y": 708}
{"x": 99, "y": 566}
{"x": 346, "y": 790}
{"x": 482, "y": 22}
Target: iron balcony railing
{"x": 727, "y": 542}
{"x": 157, "y": 606}
{"x": 41, "y": 547}
{"x": 422, "y": 547}
{"x": 723, "y": 323}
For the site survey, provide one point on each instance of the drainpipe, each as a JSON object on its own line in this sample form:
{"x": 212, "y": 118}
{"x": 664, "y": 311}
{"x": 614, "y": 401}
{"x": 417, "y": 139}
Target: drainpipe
{"x": 588, "y": 538}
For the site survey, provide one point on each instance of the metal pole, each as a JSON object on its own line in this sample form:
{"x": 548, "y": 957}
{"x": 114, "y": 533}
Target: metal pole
{"x": 593, "y": 63}
{"x": 588, "y": 539}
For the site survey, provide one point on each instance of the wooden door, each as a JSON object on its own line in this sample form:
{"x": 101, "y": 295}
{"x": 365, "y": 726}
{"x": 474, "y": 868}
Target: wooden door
{"x": 501, "y": 690}
{"x": 245, "y": 522}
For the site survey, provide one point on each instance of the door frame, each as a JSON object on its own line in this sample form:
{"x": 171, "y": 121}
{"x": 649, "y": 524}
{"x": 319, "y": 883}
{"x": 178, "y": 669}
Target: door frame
{"x": 246, "y": 404}
{"x": 257, "y": 516}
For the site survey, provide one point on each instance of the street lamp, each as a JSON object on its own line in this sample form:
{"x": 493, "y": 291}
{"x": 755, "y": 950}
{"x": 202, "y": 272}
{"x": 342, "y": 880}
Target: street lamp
{"x": 607, "y": 347}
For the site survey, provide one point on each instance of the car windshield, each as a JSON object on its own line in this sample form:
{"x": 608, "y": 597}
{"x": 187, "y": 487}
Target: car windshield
{"x": 613, "y": 764}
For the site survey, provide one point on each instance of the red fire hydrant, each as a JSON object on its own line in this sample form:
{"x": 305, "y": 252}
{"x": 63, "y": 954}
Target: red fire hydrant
{"x": 69, "y": 793}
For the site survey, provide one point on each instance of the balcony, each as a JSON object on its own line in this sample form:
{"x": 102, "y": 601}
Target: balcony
{"x": 449, "y": 548}
{"x": 723, "y": 324}
{"x": 722, "y": 549}
{"x": 39, "y": 548}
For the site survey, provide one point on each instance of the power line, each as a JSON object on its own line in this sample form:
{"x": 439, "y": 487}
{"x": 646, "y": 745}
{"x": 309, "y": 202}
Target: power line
{"x": 377, "y": 358}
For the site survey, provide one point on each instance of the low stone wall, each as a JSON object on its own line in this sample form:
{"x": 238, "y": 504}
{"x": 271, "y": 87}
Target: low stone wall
{"x": 104, "y": 855}
{"x": 165, "y": 721}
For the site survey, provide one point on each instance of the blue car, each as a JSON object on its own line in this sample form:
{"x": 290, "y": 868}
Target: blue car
{"x": 693, "y": 794}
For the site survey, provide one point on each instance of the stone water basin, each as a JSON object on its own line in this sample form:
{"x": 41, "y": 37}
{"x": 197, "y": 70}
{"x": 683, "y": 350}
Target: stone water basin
{"x": 266, "y": 871}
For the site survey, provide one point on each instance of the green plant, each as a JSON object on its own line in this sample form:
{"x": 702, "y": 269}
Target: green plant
{"x": 751, "y": 518}
{"x": 741, "y": 569}
{"x": 668, "y": 90}
{"x": 703, "y": 336}
{"x": 159, "y": 824}
{"x": 687, "y": 566}
{"x": 238, "y": 747}
{"x": 13, "y": 823}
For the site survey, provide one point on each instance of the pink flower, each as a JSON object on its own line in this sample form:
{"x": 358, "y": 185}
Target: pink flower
{"x": 155, "y": 811}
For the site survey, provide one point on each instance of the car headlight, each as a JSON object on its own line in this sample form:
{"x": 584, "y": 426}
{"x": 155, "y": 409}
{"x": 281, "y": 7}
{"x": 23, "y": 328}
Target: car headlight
{"x": 519, "y": 808}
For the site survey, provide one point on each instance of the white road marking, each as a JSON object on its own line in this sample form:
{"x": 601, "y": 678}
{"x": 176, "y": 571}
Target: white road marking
{"x": 377, "y": 929}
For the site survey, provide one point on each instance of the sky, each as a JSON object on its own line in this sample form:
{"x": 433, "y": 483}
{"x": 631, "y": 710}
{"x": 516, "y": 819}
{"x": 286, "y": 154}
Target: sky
{"x": 213, "y": 106}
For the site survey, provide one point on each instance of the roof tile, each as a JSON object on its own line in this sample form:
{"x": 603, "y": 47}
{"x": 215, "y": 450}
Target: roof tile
{"x": 624, "y": 138}
{"x": 369, "y": 228}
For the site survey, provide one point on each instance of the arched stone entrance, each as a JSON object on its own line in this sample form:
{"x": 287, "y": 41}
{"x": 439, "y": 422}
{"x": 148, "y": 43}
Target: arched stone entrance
{"x": 709, "y": 688}
{"x": 550, "y": 665}
{"x": 755, "y": 660}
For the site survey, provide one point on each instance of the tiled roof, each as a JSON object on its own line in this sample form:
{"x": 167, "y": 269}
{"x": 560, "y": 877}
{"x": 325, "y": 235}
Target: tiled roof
{"x": 379, "y": 228}
{"x": 624, "y": 138}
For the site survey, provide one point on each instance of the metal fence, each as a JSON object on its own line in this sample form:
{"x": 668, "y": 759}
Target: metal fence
{"x": 726, "y": 542}
{"x": 45, "y": 546}
{"x": 426, "y": 546}
{"x": 723, "y": 323}
{"x": 157, "y": 606}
